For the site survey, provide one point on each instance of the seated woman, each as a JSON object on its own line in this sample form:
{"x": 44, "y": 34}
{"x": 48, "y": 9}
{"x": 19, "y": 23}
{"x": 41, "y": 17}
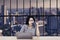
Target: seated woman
{"x": 30, "y": 26}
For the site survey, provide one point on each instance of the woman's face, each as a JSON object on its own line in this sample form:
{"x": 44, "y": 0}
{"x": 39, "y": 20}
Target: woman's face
{"x": 31, "y": 21}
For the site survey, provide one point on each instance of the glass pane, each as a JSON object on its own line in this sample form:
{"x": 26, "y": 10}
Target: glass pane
{"x": 1, "y": 3}
{"x": 20, "y": 7}
{"x": 33, "y": 7}
{"x": 26, "y": 7}
{"x": 58, "y": 3}
{"x": 47, "y": 7}
{"x": 40, "y": 7}
{"x": 13, "y": 6}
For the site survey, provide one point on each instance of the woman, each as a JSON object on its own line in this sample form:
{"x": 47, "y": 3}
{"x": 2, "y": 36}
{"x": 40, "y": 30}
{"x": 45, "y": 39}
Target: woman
{"x": 30, "y": 26}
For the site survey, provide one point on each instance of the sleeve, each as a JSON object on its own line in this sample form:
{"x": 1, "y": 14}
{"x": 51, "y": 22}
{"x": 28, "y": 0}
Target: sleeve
{"x": 23, "y": 29}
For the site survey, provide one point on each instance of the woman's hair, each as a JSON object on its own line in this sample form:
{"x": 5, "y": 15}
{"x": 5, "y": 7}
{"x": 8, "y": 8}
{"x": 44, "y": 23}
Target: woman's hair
{"x": 27, "y": 20}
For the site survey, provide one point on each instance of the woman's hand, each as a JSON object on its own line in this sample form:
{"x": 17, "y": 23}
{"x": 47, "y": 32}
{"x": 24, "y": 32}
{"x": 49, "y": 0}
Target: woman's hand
{"x": 37, "y": 29}
{"x": 40, "y": 23}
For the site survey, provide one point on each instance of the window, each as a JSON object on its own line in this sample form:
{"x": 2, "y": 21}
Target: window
{"x": 43, "y": 10}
